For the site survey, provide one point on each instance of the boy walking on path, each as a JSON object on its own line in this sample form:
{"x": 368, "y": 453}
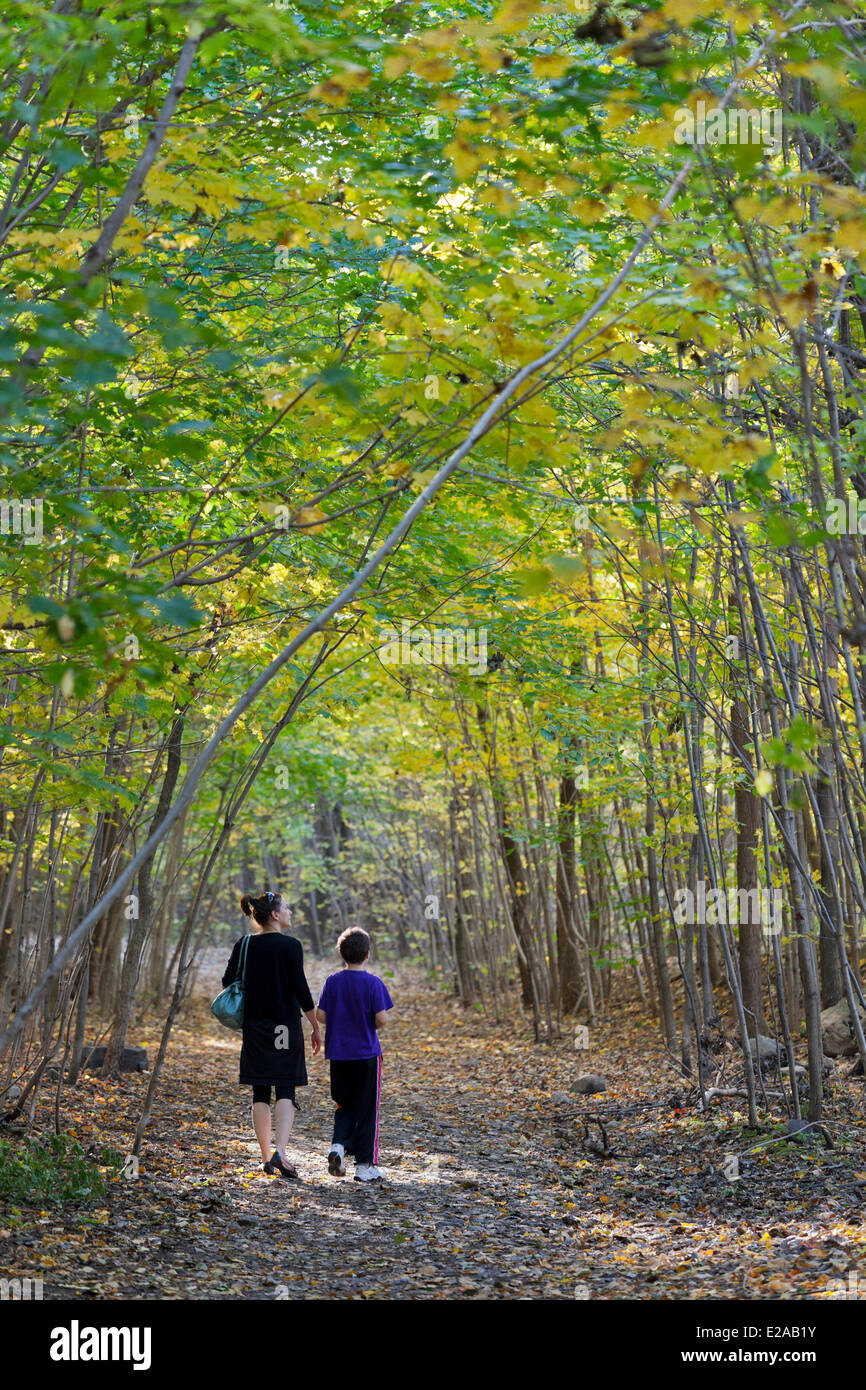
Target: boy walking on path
{"x": 353, "y": 1006}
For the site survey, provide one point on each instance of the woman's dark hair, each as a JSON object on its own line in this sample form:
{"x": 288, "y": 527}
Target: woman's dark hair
{"x": 261, "y": 908}
{"x": 353, "y": 945}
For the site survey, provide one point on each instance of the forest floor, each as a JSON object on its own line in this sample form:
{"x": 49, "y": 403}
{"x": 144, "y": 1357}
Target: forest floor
{"x": 495, "y": 1189}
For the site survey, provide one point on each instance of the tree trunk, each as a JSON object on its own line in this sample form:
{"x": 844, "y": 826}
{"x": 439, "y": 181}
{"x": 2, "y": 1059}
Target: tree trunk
{"x": 143, "y": 920}
{"x": 832, "y": 987}
{"x": 747, "y": 813}
{"x": 566, "y": 944}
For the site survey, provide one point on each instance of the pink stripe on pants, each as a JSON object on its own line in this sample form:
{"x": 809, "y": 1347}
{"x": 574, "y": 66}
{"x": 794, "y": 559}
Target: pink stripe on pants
{"x": 378, "y": 1094}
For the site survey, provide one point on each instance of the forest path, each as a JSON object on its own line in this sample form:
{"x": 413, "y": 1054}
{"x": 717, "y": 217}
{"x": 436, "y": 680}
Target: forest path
{"x": 491, "y": 1192}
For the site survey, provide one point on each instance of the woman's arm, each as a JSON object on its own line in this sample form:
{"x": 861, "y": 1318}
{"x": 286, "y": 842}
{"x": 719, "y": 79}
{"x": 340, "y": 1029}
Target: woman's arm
{"x": 316, "y": 1035}
{"x": 232, "y": 967}
{"x": 298, "y": 980}
{"x": 301, "y": 991}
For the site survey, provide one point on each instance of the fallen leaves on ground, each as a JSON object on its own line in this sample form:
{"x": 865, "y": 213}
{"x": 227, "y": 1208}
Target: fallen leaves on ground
{"x": 494, "y": 1190}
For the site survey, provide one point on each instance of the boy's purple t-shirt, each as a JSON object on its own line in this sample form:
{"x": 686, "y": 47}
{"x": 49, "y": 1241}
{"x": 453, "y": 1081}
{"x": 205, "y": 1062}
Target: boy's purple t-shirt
{"x": 351, "y": 1000}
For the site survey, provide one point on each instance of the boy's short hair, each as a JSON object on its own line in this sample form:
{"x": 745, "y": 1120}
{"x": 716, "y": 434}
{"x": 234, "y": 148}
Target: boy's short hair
{"x": 353, "y": 945}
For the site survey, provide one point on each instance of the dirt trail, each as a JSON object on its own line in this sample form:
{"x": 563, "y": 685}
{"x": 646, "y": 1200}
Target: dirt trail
{"x": 493, "y": 1190}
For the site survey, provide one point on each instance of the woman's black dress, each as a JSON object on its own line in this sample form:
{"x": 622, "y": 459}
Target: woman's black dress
{"x": 275, "y": 992}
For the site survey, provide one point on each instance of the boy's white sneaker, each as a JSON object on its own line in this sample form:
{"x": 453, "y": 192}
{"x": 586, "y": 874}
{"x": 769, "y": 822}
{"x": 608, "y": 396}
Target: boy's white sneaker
{"x": 368, "y": 1172}
{"x": 336, "y": 1164}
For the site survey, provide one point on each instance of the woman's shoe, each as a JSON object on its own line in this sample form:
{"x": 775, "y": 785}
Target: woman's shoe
{"x": 275, "y": 1165}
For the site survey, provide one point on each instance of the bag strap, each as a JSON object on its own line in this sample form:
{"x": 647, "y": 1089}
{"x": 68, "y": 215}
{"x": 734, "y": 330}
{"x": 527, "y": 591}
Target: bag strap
{"x": 242, "y": 962}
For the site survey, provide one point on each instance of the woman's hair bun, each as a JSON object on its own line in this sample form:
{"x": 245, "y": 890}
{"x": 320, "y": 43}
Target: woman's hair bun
{"x": 261, "y": 909}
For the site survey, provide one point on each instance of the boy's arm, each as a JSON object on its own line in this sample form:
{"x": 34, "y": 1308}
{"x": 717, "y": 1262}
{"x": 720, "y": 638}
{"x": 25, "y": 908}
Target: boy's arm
{"x": 381, "y": 996}
{"x": 320, "y": 1015}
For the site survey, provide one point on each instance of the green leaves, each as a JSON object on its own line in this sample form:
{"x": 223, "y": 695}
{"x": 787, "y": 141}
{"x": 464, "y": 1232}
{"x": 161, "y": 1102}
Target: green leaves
{"x": 341, "y": 382}
{"x": 793, "y": 747}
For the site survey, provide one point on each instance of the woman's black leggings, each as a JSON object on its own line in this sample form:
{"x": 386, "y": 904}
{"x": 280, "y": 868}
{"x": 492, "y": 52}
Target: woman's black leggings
{"x": 262, "y": 1094}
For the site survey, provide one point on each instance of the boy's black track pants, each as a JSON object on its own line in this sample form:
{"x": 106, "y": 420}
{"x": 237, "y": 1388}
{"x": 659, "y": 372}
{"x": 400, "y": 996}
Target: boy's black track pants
{"x": 355, "y": 1088}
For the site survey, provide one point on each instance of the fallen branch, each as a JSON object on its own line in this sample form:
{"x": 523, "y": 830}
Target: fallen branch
{"x": 715, "y": 1091}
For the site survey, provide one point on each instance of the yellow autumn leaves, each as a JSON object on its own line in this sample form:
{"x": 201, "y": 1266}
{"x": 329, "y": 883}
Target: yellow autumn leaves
{"x": 310, "y": 519}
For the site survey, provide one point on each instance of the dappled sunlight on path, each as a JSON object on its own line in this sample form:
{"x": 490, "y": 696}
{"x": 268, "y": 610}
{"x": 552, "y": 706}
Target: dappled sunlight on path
{"x": 494, "y": 1188}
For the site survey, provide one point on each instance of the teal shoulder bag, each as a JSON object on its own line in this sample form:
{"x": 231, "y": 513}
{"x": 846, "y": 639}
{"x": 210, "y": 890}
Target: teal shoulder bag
{"x": 228, "y": 1006}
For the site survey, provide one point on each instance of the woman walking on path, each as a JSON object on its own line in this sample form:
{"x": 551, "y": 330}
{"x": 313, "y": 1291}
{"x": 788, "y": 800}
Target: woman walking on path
{"x": 275, "y": 992}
